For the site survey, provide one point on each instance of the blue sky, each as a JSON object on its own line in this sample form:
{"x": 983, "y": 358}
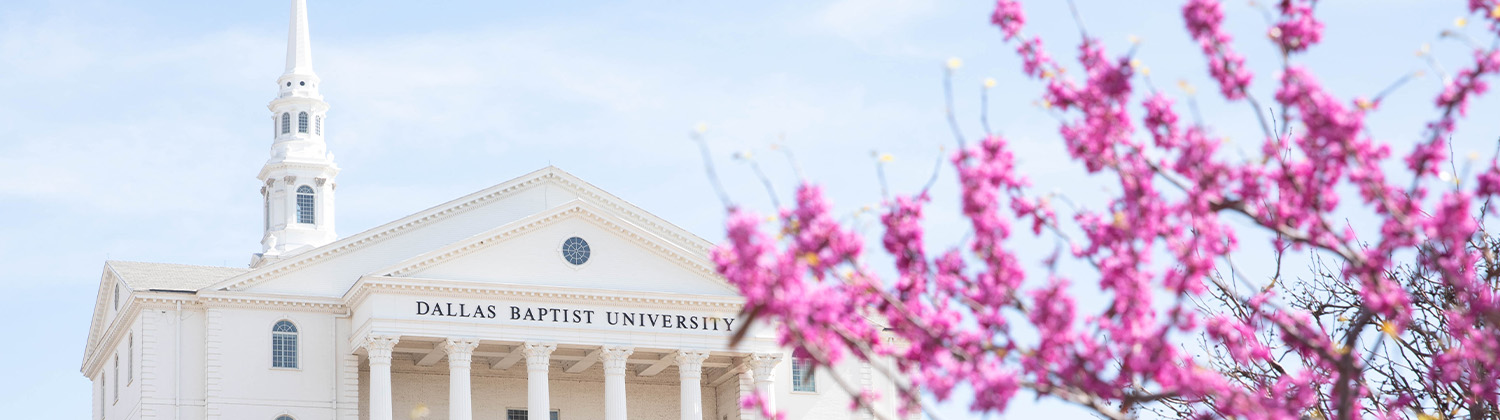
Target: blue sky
{"x": 133, "y": 130}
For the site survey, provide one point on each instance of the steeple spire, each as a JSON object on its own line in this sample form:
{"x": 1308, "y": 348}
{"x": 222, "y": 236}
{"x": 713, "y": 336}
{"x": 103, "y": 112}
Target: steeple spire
{"x": 298, "y": 44}
{"x": 297, "y": 182}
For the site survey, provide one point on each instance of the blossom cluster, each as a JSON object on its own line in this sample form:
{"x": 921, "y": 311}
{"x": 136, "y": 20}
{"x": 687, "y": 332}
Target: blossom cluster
{"x": 1205, "y": 20}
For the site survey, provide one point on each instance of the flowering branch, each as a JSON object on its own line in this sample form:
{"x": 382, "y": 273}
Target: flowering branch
{"x": 1155, "y": 251}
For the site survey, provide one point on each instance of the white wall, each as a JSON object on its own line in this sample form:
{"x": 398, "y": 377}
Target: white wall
{"x": 830, "y": 401}
{"x": 123, "y": 402}
{"x": 241, "y": 384}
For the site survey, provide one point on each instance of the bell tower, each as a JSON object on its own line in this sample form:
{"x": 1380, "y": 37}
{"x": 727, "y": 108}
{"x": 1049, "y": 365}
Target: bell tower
{"x": 297, "y": 182}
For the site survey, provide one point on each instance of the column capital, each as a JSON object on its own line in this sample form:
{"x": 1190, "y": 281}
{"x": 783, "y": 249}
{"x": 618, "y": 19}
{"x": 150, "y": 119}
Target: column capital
{"x": 614, "y": 358}
{"x": 764, "y": 365}
{"x": 690, "y": 363}
{"x": 538, "y": 355}
{"x": 379, "y": 347}
{"x": 460, "y": 350}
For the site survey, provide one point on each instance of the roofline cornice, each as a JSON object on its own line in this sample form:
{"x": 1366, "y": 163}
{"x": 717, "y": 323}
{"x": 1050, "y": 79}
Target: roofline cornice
{"x": 261, "y": 301}
{"x": 329, "y": 167}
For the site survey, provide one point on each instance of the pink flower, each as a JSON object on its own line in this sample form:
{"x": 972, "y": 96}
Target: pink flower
{"x": 1008, "y": 17}
{"x": 1204, "y": 22}
{"x": 1297, "y": 29}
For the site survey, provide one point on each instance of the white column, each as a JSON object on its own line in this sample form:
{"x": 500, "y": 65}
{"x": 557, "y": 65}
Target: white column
{"x": 690, "y": 371}
{"x": 538, "y": 356}
{"x": 763, "y": 365}
{"x": 460, "y": 353}
{"x": 379, "y": 348}
{"x": 614, "y": 380}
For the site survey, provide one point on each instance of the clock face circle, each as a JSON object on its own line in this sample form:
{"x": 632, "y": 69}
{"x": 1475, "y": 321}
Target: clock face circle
{"x": 575, "y": 250}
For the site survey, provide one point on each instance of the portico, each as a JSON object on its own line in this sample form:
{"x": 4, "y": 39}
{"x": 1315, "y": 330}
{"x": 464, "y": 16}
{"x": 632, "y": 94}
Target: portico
{"x": 610, "y": 370}
{"x": 484, "y": 350}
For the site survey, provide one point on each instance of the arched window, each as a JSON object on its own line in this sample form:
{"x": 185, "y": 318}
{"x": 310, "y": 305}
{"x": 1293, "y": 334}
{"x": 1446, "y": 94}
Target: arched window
{"x": 286, "y": 123}
{"x": 305, "y": 205}
{"x": 318, "y": 127}
{"x": 284, "y": 345}
{"x": 284, "y": 417}
{"x": 117, "y": 377}
{"x": 302, "y": 122}
{"x": 129, "y": 359}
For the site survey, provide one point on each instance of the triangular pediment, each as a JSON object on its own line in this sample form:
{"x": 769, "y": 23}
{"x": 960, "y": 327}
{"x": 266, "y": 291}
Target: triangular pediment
{"x": 621, "y": 256}
{"x": 331, "y": 269}
{"x": 102, "y": 311}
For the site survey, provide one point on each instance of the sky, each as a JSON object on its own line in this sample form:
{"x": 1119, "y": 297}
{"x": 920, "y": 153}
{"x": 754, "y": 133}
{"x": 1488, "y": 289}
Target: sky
{"x": 133, "y": 130}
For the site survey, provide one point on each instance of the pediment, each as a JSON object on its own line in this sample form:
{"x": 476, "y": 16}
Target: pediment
{"x": 331, "y": 269}
{"x": 102, "y": 314}
{"x": 621, "y": 256}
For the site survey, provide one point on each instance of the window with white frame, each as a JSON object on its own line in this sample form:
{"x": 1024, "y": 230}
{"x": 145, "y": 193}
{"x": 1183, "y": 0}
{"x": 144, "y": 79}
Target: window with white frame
{"x": 318, "y": 127}
{"x": 305, "y": 206}
{"x": 284, "y": 345}
{"x": 117, "y": 378}
{"x": 129, "y": 359}
{"x": 802, "y": 375}
{"x": 284, "y": 417}
{"x": 286, "y": 123}
{"x": 302, "y": 122}
{"x": 514, "y": 414}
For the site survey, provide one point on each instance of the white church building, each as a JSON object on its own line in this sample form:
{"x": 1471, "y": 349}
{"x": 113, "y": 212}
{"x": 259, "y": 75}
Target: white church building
{"x": 540, "y": 297}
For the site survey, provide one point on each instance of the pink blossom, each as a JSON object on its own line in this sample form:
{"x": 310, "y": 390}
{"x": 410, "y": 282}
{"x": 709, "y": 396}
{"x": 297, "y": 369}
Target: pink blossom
{"x": 1008, "y": 17}
{"x": 1297, "y": 29}
{"x": 1204, "y": 22}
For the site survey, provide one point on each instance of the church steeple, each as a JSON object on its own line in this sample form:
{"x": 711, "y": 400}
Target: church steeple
{"x": 298, "y": 46}
{"x": 298, "y": 179}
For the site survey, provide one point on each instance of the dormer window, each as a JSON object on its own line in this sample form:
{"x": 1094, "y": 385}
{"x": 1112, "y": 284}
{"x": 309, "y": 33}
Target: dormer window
{"x": 286, "y": 123}
{"x": 302, "y": 122}
{"x": 305, "y": 206}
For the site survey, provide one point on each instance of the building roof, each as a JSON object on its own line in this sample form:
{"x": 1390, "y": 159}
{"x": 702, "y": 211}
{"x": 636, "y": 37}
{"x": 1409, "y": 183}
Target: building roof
{"x": 177, "y": 277}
